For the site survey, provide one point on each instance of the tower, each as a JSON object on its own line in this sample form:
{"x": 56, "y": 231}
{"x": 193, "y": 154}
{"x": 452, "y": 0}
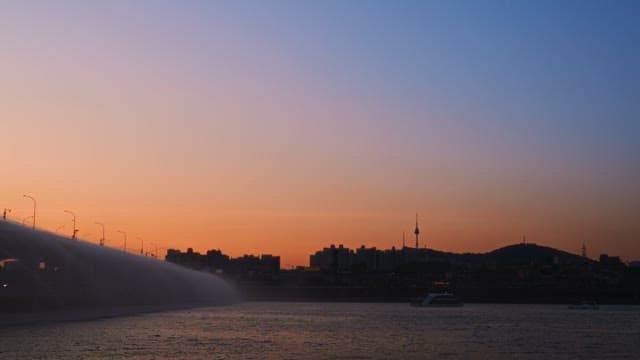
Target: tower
{"x": 584, "y": 250}
{"x": 417, "y": 232}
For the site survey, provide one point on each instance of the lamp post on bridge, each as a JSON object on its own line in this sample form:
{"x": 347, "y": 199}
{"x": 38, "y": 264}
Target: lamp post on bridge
{"x": 156, "y": 250}
{"x": 141, "y": 245}
{"x": 102, "y": 239}
{"x": 73, "y": 235}
{"x": 161, "y": 248}
{"x": 125, "y": 239}
{"x": 34, "y": 210}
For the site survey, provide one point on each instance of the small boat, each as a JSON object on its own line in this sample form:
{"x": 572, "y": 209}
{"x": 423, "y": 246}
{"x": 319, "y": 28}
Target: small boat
{"x": 438, "y": 300}
{"x": 584, "y": 305}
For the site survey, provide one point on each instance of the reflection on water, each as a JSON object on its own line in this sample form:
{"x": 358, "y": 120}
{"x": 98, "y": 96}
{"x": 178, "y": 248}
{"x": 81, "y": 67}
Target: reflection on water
{"x": 338, "y": 330}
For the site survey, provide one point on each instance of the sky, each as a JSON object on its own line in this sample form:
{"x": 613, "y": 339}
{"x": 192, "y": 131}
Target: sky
{"x": 283, "y": 127}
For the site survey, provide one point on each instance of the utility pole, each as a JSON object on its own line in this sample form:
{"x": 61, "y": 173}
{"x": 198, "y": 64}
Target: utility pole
{"x": 34, "y": 210}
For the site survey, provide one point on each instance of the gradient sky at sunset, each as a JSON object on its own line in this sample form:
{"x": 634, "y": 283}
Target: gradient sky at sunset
{"x": 282, "y": 127}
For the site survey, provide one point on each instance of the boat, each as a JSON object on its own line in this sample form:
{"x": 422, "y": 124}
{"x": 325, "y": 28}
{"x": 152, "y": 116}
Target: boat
{"x": 584, "y": 305}
{"x": 438, "y": 300}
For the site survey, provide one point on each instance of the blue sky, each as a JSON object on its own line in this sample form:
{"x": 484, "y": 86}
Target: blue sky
{"x": 496, "y": 112}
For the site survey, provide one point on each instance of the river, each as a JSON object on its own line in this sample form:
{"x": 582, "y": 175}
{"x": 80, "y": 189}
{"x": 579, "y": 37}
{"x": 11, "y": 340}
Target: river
{"x": 280, "y": 330}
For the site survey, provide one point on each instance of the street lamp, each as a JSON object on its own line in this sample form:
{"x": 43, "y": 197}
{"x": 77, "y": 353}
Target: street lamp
{"x": 156, "y": 250}
{"x": 125, "y": 239}
{"x": 34, "y": 209}
{"x": 4, "y": 213}
{"x": 141, "y": 245}
{"x": 102, "y": 239}
{"x": 73, "y": 236}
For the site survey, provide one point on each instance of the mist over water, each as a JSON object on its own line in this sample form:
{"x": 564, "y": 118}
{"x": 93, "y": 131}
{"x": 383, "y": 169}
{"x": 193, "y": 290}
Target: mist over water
{"x": 52, "y": 272}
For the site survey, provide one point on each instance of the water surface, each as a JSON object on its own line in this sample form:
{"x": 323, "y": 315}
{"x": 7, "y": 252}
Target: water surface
{"x": 337, "y": 331}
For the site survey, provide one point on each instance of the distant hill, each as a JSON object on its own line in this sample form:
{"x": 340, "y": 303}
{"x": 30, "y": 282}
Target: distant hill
{"x": 516, "y": 254}
{"x": 526, "y": 253}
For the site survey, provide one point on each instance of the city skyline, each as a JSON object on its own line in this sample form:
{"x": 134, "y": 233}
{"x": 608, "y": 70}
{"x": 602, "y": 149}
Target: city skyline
{"x": 280, "y": 128}
{"x": 157, "y": 250}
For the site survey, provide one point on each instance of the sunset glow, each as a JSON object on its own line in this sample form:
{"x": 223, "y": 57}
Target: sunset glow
{"x": 281, "y": 129}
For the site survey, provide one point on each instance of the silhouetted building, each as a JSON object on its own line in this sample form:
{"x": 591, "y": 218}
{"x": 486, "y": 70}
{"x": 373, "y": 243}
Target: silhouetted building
{"x": 366, "y": 259}
{"x": 217, "y": 261}
{"x": 189, "y": 259}
{"x": 389, "y": 260}
{"x": 614, "y": 262}
{"x": 247, "y": 266}
{"x": 336, "y": 259}
{"x": 270, "y": 264}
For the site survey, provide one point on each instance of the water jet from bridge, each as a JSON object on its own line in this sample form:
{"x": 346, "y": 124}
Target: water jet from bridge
{"x": 40, "y": 271}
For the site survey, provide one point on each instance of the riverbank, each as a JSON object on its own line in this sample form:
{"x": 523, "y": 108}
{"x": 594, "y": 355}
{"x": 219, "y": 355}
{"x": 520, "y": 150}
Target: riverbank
{"x": 253, "y": 292}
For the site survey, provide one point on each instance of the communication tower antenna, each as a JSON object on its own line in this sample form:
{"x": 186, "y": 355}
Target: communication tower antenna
{"x": 417, "y": 232}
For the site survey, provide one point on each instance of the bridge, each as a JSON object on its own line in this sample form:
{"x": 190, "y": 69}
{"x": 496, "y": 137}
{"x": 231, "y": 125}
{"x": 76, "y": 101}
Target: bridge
{"x": 40, "y": 270}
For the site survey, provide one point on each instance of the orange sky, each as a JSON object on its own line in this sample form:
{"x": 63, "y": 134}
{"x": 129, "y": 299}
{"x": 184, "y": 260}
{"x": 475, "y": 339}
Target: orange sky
{"x": 233, "y": 130}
